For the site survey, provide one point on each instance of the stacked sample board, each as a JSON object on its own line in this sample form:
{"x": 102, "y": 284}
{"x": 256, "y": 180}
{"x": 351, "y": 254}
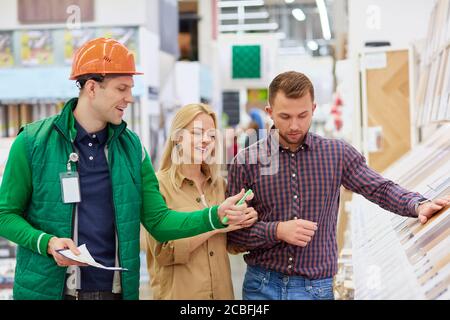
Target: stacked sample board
{"x": 395, "y": 257}
{"x": 433, "y": 92}
{"x": 14, "y": 116}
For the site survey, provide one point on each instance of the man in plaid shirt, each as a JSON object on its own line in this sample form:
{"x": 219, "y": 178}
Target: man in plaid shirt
{"x": 296, "y": 178}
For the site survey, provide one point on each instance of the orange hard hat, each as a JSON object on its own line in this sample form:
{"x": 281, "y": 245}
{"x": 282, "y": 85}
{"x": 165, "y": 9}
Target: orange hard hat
{"x": 103, "y": 56}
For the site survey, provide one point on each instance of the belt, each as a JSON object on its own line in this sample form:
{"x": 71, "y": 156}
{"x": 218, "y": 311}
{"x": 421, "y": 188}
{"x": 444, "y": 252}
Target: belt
{"x": 94, "y": 295}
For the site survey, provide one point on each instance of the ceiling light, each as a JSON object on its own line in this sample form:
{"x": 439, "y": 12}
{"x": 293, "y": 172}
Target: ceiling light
{"x": 324, "y": 19}
{"x": 313, "y": 45}
{"x": 289, "y": 1}
{"x": 298, "y": 14}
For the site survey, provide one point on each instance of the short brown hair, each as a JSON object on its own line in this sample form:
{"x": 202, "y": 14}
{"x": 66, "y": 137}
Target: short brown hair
{"x": 293, "y": 84}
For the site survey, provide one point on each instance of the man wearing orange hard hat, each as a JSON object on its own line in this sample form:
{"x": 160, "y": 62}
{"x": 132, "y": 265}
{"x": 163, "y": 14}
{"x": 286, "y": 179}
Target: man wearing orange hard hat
{"x": 81, "y": 180}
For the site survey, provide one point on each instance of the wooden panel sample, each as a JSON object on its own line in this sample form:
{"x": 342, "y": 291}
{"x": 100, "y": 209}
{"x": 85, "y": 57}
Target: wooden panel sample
{"x": 388, "y": 107}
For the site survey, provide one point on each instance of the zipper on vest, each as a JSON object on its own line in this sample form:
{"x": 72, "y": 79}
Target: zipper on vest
{"x": 72, "y": 231}
{"x": 115, "y": 218}
{"x": 74, "y": 207}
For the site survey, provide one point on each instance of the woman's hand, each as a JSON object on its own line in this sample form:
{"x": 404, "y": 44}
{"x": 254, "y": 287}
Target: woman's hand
{"x": 251, "y": 216}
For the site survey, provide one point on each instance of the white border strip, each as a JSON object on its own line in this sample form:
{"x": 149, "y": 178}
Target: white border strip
{"x": 210, "y": 220}
{"x": 39, "y": 242}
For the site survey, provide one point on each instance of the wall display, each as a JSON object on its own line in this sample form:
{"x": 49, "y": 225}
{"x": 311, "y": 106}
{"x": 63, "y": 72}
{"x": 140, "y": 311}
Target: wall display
{"x": 74, "y": 39}
{"x": 6, "y": 50}
{"x": 126, "y": 35}
{"x": 36, "y": 48}
{"x": 396, "y": 257}
{"x": 246, "y": 62}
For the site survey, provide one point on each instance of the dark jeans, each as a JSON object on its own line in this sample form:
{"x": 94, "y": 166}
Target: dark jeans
{"x": 95, "y": 295}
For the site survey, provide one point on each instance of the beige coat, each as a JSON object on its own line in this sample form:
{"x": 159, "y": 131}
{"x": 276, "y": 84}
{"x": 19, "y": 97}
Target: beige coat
{"x": 204, "y": 273}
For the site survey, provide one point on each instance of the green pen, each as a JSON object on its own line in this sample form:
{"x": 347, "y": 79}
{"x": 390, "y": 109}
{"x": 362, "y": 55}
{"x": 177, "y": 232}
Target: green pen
{"x": 249, "y": 192}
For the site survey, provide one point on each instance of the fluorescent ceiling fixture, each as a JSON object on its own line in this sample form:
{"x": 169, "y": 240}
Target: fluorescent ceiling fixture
{"x": 289, "y": 1}
{"x": 248, "y": 3}
{"x": 313, "y": 45}
{"x": 324, "y": 19}
{"x": 249, "y": 27}
{"x": 250, "y": 15}
{"x": 298, "y": 14}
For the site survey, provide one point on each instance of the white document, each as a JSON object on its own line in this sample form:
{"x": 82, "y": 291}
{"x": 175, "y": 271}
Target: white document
{"x": 85, "y": 257}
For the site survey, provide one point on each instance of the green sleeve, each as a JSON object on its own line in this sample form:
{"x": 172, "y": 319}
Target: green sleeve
{"x": 15, "y": 193}
{"x": 164, "y": 224}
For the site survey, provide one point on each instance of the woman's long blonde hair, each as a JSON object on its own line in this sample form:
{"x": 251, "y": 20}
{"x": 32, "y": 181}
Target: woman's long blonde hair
{"x": 181, "y": 120}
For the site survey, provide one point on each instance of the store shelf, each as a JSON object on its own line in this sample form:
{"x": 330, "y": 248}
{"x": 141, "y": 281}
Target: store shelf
{"x": 433, "y": 93}
{"x": 15, "y": 115}
{"x": 438, "y": 36}
{"x": 395, "y": 257}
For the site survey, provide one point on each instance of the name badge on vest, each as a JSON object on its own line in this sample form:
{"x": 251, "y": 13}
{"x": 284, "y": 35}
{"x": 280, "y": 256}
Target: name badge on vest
{"x": 70, "y": 183}
{"x": 70, "y": 187}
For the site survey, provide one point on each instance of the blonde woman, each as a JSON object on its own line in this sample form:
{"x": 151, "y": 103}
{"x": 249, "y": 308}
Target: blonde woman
{"x": 189, "y": 179}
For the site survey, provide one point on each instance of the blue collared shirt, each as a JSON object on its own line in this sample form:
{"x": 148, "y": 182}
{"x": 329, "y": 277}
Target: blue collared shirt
{"x": 96, "y": 222}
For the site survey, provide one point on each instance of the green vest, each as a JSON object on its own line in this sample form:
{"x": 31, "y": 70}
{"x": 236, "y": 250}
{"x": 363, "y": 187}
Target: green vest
{"x": 50, "y": 142}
